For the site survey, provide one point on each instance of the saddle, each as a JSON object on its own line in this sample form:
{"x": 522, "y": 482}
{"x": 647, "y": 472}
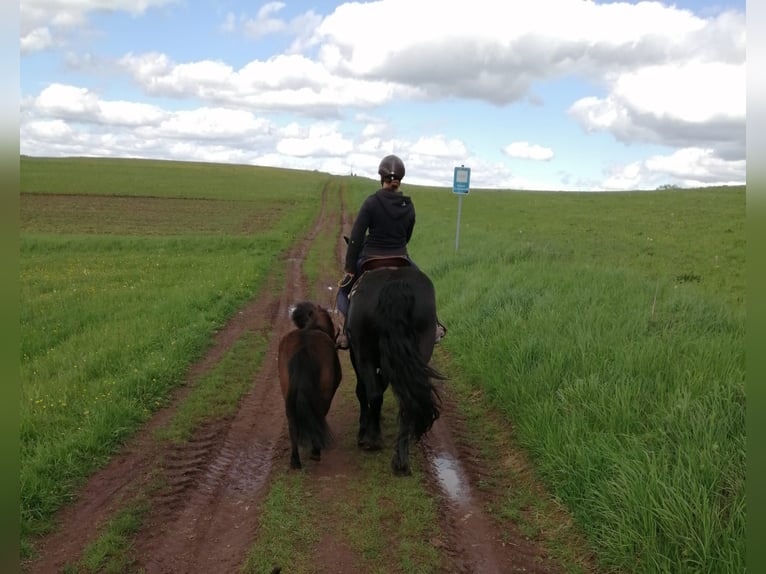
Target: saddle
{"x": 379, "y": 262}
{"x": 384, "y": 261}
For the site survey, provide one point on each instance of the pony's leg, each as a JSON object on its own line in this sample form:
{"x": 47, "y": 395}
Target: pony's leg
{"x": 295, "y": 459}
{"x": 400, "y": 462}
{"x": 316, "y": 449}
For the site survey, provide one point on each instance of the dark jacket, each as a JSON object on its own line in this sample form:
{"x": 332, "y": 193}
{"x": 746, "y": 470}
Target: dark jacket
{"x": 388, "y": 218}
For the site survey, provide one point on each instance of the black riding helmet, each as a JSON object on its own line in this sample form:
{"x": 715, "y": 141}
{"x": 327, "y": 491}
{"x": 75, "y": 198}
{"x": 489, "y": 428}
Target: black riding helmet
{"x": 391, "y": 167}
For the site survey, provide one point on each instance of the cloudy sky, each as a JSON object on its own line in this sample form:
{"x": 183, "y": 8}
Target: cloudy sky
{"x": 546, "y": 94}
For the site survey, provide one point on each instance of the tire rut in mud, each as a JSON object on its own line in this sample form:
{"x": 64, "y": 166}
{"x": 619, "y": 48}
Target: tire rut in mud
{"x": 212, "y": 529}
{"x": 474, "y": 543}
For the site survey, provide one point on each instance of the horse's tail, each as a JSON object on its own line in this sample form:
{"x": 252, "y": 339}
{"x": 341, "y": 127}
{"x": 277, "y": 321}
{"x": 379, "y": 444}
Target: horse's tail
{"x": 401, "y": 363}
{"x": 303, "y": 403}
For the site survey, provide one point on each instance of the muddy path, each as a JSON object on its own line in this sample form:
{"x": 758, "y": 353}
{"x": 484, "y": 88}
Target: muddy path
{"x": 206, "y": 515}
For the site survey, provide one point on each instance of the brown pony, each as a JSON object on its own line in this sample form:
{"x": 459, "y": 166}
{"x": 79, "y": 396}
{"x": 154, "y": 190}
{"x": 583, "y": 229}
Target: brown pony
{"x": 309, "y": 373}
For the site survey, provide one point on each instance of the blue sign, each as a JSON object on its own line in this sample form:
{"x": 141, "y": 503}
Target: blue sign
{"x": 462, "y": 181}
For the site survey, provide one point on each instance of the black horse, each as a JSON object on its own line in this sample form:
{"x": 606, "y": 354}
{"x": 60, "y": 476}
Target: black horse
{"x": 391, "y": 325}
{"x": 309, "y": 374}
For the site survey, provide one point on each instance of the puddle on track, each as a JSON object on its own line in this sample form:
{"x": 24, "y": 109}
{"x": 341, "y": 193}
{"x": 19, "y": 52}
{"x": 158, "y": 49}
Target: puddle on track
{"x": 451, "y": 478}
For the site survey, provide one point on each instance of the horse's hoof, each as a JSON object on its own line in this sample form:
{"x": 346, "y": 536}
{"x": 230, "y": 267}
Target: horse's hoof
{"x": 315, "y": 455}
{"x": 370, "y": 445}
{"x": 399, "y": 471}
{"x": 296, "y": 465}
{"x": 399, "y": 467}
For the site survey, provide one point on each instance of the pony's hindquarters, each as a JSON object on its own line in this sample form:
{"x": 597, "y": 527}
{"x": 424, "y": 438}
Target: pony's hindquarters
{"x": 310, "y": 374}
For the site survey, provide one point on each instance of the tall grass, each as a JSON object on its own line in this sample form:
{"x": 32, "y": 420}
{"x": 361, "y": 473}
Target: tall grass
{"x": 610, "y": 330}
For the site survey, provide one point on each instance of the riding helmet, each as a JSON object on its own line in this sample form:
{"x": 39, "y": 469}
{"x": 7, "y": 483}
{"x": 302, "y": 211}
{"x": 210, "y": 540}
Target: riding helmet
{"x": 391, "y": 167}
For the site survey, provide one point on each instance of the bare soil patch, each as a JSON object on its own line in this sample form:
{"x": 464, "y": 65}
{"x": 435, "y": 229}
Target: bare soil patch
{"x": 206, "y": 515}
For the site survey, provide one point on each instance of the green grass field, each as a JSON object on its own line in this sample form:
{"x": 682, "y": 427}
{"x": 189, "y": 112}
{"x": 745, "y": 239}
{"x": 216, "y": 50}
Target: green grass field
{"x": 119, "y": 297}
{"x": 608, "y": 328}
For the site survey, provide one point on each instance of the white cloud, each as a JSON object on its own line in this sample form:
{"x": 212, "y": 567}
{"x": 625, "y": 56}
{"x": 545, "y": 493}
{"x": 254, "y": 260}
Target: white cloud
{"x": 211, "y": 123}
{"x": 631, "y": 48}
{"x": 81, "y": 104}
{"x": 267, "y": 22}
{"x": 319, "y": 139}
{"x": 285, "y": 82}
{"x": 525, "y": 150}
{"x": 36, "y": 40}
{"x": 693, "y": 167}
{"x": 48, "y": 129}
{"x": 68, "y": 102}
{"x": 688, "y": 167}
{"x": 486, "y": 53}
{"x": 192, "y": 151}
{"x": 630, "y": 176}
{"x": 264, "y": 24}
{"x": 269, "y": 8}
{"x": 49, "y": 18}
{"x": 129, "y": 113}
{"x": 665, "y": 103}
{"x": 439, "y": 146}
{"x": 692, "y": 92}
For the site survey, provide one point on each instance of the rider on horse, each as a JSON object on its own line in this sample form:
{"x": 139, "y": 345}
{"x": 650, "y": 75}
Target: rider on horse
{"x": 382, "y": 229}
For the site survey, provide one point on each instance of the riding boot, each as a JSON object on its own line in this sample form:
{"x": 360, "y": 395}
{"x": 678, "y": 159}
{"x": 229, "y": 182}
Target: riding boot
{"x": 341, "y": 340}
{"x": 441, "y": 330}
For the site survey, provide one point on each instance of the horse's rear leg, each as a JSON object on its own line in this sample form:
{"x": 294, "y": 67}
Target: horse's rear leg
{"x": 370, "y": 398}
{"x": 295, "y": 459}
{"x": 374, "y": 436}
{"x": 400, "y": 462}
{"x": 361, "y": 396}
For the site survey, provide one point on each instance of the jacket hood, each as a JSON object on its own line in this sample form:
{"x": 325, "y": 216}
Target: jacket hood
{"x": 396, "y": 204}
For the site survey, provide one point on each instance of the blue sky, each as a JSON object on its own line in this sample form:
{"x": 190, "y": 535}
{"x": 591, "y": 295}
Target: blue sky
{"x": 551, "y": 94}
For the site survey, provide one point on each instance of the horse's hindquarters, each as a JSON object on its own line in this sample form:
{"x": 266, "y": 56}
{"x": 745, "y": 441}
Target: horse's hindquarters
{"x": 391, "y": 325}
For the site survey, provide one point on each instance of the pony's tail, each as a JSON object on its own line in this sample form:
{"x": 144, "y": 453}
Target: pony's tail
{"x": 303, "y": 403}
{"x": 400, "y": 361}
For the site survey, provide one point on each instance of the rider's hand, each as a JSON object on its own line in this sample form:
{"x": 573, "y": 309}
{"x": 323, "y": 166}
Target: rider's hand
{"x": 348, "y": 278}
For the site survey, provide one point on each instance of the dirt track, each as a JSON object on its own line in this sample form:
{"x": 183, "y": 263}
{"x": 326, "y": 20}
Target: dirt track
{"x": 206, "y": 518}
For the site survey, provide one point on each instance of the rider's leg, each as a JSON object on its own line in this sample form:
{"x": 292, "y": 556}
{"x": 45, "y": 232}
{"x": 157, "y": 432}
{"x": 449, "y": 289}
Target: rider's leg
{"x": 341, "y": 301}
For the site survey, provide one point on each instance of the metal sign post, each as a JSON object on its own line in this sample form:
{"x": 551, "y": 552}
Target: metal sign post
{"x": 461, "y": 184}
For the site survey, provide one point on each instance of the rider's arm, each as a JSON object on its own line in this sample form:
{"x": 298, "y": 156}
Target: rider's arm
{"x": 356, "y": 239}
